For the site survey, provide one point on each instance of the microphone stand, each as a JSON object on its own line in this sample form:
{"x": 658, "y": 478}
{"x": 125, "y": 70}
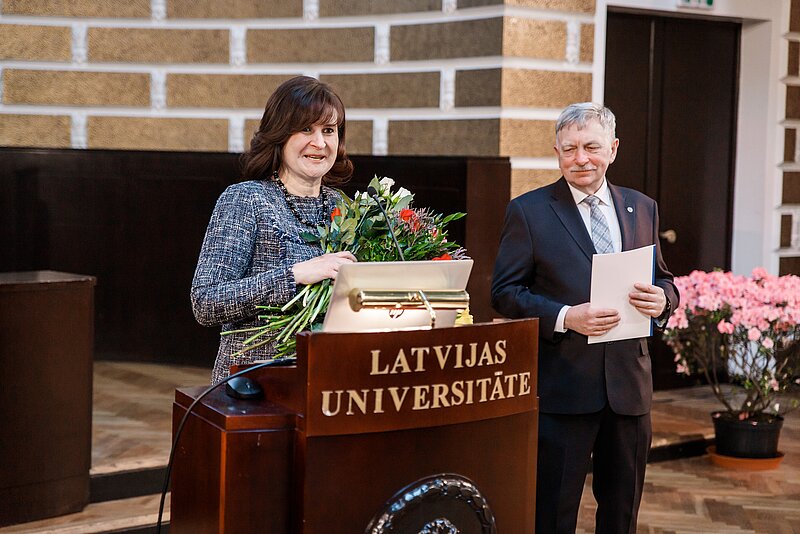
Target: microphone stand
{"x": 373, "y": 193}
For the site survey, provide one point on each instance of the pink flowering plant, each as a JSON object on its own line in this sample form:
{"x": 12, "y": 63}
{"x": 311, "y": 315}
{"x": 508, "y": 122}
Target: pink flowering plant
{"x": 741, "y": 334}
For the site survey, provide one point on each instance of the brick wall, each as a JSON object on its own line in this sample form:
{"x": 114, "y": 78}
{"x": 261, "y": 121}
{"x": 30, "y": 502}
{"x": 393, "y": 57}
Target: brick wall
{"x": 789, "y": 246}
{"x": 418, "y": 77}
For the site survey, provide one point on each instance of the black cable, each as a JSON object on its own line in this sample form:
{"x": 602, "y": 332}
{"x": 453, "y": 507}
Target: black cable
{"x": 270, "y": 363}
{"x": 372, "y": 192}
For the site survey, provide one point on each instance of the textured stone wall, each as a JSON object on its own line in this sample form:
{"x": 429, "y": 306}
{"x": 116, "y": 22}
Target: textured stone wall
{"x": 790, "y": 213}
{"x": 420, "y": 77}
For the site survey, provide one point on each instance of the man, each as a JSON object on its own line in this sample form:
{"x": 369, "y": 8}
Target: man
{"x": 594, "y": 399}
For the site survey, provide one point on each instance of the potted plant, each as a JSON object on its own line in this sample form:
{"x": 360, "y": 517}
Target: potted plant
{"x": 741, "y": 335}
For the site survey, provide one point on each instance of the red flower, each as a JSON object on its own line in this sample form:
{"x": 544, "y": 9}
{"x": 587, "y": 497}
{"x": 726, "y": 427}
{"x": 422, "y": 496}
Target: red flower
{"x": 411, "y": 218}
{"x": 335, "y": 213}
{"x": 443, "y": 257}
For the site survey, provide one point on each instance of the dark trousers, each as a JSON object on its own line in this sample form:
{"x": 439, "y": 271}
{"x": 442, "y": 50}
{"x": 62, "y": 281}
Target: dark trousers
{"x": 616, "y": 446}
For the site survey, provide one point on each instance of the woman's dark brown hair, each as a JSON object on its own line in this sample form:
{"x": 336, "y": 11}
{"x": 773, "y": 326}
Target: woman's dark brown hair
{"x": 296, "y": 104}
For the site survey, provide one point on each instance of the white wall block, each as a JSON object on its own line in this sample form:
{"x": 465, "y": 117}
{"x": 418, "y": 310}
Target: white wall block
{"x": 238, "y": 43}
{"x": 158, "y": 10}
{"x": 236, "y": 134}
{"x": 447, "y": 90}
{"x": 380, "y": 137}
{"x": 573, "y": 52}
{"x": 80, "y": 52}
{"x": 311, "y": 9}
{"x": 78, "y": 136}
{"x": 382, "y": 44}
{"x": 158, "y": 89}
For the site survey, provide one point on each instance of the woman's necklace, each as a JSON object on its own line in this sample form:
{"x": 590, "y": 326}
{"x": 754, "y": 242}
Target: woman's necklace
{"x": 293, "y": 207}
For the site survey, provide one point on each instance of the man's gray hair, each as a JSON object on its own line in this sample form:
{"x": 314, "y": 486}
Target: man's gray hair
{"x": 584, "y": 112}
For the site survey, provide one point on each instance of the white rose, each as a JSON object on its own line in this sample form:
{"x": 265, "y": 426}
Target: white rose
{"x": 386, "y": 183}
{"x": 401, "y": 193}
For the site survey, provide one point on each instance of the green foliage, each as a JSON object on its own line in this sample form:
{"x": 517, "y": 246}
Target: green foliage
{"x": 357, "y": 225}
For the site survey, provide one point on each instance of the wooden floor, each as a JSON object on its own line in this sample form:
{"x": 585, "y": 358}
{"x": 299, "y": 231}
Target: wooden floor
{"x": 132, "y": 427}
{"x": 132, "y": 416}
{"x": 692, "y": 495}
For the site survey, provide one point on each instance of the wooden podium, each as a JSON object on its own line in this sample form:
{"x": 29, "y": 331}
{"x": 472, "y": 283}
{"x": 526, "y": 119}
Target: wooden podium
{"x": 46, "y": 353}
{"x": 358, "y": 419}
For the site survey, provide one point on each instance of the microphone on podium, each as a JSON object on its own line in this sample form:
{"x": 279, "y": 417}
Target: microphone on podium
{"x": 373, "y": 193}
{"x": 269, "y": 363}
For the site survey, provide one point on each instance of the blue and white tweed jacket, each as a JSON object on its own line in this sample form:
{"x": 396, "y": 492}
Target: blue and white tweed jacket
{"x": 246, "y": 260}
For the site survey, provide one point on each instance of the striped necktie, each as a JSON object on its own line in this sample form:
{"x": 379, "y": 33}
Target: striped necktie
{"x": 601, "y": 235}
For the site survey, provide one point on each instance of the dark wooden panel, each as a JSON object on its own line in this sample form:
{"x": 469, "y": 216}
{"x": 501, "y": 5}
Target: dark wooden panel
{"x": 46, "y": 394}
{"x": 698, "y": 145}
{"x": 199, "y": 508}
{"x": 791, "y": 188}
{"x": 469, "y": 449}
{"x": 789, "y": 266}
{"x": 677, "y": 138}
{"x": 488, "y": 191}
{"x": 786, "y": 231}
{"x": 789, "y": 142}
{"x": 792, "y": 102}
{"x": 136, "y": 220}
{"x": 794, "y": 17}
{"x": 211, "y": 466}
{"x": 477, "y": 355}
{"x": 627, "y": 94}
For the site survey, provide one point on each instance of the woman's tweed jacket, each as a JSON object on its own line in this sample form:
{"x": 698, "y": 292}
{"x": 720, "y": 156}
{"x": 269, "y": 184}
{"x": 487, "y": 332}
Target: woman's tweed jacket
{"x": 251, "y": 244}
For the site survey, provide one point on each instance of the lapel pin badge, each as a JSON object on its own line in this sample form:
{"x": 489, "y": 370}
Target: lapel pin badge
{"x": 630, "y": 209}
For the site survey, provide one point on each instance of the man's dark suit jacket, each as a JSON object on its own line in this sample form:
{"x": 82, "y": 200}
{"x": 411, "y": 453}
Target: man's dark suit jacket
{"x": 544, "y": 262}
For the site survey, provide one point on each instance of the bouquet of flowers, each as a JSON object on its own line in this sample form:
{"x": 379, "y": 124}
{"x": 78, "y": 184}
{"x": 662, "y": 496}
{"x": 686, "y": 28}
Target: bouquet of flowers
{"x": 357, "y": 225}
{"x": 741, "y": 334}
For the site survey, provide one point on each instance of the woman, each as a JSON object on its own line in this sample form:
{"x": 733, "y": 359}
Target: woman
{"x": 252, "y": 253}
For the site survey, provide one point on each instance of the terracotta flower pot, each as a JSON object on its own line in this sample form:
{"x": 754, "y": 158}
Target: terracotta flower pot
{"x": 748, "y": 438}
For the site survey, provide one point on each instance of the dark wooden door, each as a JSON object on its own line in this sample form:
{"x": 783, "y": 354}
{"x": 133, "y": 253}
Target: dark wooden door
{"x": 672, "y": 83}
